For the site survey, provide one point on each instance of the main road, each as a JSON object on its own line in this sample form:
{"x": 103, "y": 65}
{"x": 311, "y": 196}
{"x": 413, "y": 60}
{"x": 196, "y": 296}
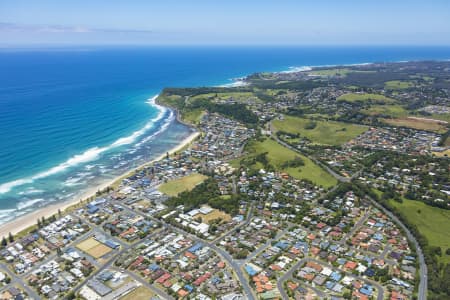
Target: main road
{"x": 423, "y": 284}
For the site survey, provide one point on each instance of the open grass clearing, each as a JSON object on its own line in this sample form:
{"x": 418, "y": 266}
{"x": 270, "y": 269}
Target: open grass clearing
{"x": 342, "y": 72}
{"x": 432, "y": 222}
{"x": 325, "y": 132}
{"x": 186, "y": 183}
{"x": 139, "y": 293}
{"x": 236, "y": 96}
{"x": 395, "y": 111}
{"x": 398, "y": 84}
{"x": 277, "y": 155}
{"x": 215, "y": 214}
{"x": 445, "y": 153}
{"x": 418, "y": 123}
{"x": 442, "y": 117}
{"x": 192, "y": 116}
{"x": 365, "y": 97}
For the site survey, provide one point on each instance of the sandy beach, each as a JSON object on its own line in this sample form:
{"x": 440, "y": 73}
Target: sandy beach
{"x": 28, "y": 220}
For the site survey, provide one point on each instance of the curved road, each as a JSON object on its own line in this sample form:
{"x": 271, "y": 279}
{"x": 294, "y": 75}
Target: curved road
{"x": 423, "y": 284}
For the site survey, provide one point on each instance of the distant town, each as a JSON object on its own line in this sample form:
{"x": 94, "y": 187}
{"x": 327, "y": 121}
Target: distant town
{"x": 326, "y": 183}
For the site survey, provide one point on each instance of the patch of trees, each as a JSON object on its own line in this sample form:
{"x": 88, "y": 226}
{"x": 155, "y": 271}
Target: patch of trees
{"x": 444, "y": 137}
{"x": 310, "y": 125}
{"x": 264, "y": 97}
{"x": 294, "y": 163}
{"x": 290, "y": 135}
{"x": 205, "y": 193}
{"x": 238, "y": 112}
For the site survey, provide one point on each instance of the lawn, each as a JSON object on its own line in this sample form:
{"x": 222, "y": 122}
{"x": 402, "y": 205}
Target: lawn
{"x": 356, "y": 97}
{"x": 398, "y": 84}
{"x": 418, "y": 123}
{"x": 139, "y": 293}
{"x": 432, "y": 222}
{"x": 186, "y": 183}
{"x": 325, "y": 132}
{"x": 277, "y": 155}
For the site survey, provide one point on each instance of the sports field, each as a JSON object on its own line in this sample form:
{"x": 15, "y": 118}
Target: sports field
{"x": 93, "y": 248}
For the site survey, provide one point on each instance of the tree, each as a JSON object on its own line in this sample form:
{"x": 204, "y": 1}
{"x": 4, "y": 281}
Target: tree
{"x": 10, "y": 237}
{"x": 4, "y": 242}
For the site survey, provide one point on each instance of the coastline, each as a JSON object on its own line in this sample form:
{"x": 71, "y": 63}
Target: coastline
{"x": 25, "y": 221}
{"x": 28, "y": 220}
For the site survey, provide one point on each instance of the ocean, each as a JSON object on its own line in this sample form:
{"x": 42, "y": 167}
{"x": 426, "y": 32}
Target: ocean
{"x": 74, "y": 118}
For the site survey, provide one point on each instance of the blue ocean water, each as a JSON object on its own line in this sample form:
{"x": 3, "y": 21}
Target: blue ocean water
{"x": 72, "y": 118}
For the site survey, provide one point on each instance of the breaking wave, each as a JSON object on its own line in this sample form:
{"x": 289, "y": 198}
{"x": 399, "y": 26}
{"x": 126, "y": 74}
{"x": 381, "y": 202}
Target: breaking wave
{"x": 95, "y": 152}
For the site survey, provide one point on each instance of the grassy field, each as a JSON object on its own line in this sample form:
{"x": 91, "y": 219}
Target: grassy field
{"x": 237, "y": 96}
{"x": 186, "y": 183}
{"x": 277, "y": 155}
{"x": 395, "y": 111}
{"x": 192, "y": 116}
{"x": 398, "y": 84}
{"x": 325, "y": 132}
{"x": 139, "y": 293}
{"x": 445, "y": 153}
{"x": 214, "y": 215}
{"x": 421, "y": 124}
{"x": 432, "y": 222}
{"x": 331, "y": 72}
{"x": 337, "y": 72}
{"x": 442, "y": 117}
{"x": 356, "y": 97}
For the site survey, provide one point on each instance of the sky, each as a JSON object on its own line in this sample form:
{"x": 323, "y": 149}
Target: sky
{"x": 226, "y": 22}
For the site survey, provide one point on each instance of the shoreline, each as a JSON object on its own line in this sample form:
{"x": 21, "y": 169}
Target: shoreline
{"x": 28, "y": 220}
{"x": 25, "y": 221}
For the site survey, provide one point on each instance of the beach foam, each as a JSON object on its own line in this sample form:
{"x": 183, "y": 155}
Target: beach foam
{"x": 30, "y": 191}
{"x": 297, "y": 69}
{"x": 29, "y": 203}
{"x": 95, "y": 152}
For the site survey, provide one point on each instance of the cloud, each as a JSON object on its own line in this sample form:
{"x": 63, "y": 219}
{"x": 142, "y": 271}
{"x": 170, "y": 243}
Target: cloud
{"x": 32, "y": 28}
